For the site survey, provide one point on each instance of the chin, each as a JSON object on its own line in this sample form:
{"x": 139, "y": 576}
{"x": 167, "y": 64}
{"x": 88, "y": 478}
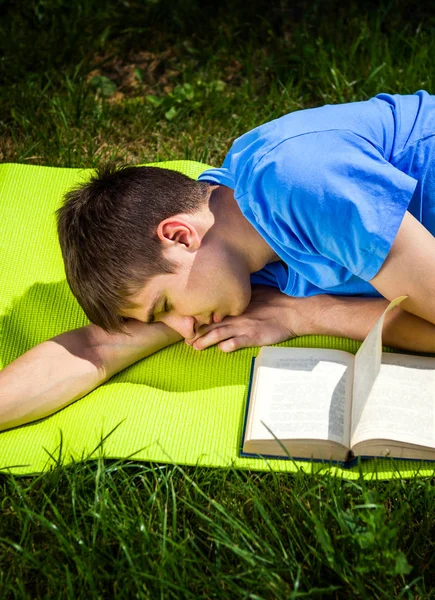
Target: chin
{"x": 248, "y": 296}
{"x": 243, "y": 304}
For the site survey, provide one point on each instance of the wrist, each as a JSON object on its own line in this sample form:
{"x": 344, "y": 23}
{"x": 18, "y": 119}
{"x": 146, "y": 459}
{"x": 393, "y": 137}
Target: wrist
{"x": 340, "y": 316}
{"x": 114, "y": 352}
{"x": 309, "y": 315}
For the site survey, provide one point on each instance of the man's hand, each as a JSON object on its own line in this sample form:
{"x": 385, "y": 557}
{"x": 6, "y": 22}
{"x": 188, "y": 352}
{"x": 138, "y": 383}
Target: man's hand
{"x": 269, "y": 319}
{"x": 273, "y": 317}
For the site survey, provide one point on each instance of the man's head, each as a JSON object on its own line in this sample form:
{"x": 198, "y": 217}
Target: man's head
{"x": 108, "y": 235}
{"x": 137, "y": 239}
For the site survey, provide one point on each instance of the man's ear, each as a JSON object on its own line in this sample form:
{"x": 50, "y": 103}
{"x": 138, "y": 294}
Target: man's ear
{"x": 178, "y": 230}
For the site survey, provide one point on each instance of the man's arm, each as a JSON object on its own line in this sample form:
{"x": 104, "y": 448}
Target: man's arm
{"x": 354, "y": 317}
{"x": 67, "y": 367}
{"x": 409, "y": 269}
{"x": 273, "y": 317}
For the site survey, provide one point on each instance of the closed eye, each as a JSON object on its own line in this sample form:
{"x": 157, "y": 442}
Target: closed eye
{"x": 165, "y": 310}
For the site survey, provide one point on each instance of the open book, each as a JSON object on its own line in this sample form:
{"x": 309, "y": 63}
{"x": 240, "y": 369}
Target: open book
{"x": 332, "y": 405}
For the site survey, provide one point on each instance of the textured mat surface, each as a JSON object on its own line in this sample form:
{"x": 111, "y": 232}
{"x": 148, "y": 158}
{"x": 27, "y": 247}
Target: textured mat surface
{"x": 178, "y": 406}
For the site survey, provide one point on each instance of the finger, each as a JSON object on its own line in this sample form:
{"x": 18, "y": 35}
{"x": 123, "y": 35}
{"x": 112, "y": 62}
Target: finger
{"x": 205, "y": 330}
{"x": 235, "y": 343}
{"x": 200, "y": 332}
{"x": 212, "y": 338}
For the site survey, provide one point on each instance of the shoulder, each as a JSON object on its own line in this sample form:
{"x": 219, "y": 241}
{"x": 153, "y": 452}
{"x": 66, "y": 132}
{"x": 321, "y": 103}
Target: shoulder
{"x": 301, "y": 140}
{"x": 315, "y": 159}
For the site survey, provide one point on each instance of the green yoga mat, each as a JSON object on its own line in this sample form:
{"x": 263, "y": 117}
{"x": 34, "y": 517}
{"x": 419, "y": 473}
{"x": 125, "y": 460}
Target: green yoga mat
{"x": 177, "y": 406}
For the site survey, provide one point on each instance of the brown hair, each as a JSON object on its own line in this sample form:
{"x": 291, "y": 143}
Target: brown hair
{"x": 107, "y": 233}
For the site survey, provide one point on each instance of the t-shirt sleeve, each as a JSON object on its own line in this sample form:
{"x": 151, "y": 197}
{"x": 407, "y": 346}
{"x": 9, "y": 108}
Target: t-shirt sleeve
{"x": 273, "y": 274}
{"x": 332, "y": 194}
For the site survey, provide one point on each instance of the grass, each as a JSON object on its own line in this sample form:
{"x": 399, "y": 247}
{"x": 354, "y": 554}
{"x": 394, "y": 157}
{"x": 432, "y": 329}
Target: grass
{"x": 139, "y": 81}
{"x": 104, "y": 94}
{"x": 129, "y": 530}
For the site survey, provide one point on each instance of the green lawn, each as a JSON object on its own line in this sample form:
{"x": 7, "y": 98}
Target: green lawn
{"x": 89, "y": 81}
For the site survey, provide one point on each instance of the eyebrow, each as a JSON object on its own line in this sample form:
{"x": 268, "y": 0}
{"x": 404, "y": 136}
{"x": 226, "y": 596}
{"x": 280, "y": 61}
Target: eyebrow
{"x": 150, "y": 312}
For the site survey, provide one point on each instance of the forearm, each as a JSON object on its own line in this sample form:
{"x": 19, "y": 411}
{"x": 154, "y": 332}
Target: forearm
{"x": 115, "y": 352}
{"x": 67, "y": 367}
{"x": 353, "y": 317}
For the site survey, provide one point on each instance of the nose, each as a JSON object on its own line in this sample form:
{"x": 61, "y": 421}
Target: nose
{"x": 185, "y": 326}
{"x": 201, "y": 320}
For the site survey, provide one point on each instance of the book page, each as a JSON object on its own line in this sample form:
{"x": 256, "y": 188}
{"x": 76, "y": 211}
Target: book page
{"x": 302, "y": 393}
{"x": 400, "y": 406}
{"x": 367, "y": 366}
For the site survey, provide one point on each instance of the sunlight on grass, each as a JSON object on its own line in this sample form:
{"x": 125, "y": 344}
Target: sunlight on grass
{"x": 168, "y": 531}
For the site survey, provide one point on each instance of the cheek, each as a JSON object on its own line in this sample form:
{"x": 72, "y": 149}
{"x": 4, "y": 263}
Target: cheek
{"x": 222, "y": 288}
{"x": 167, "y": 320}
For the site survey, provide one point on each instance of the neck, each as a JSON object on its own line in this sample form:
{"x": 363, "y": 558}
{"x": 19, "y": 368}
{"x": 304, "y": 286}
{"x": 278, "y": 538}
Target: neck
{"x": 232, "y": 226}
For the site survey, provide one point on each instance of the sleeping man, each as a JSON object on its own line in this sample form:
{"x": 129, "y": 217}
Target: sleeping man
{"x": 313, "y": 223}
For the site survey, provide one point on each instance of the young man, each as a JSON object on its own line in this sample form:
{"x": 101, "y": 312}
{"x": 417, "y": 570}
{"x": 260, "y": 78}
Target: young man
{"x": 329, "y": 212}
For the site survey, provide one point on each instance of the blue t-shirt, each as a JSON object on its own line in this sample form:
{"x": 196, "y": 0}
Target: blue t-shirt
{"x": 328, "y": 187}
